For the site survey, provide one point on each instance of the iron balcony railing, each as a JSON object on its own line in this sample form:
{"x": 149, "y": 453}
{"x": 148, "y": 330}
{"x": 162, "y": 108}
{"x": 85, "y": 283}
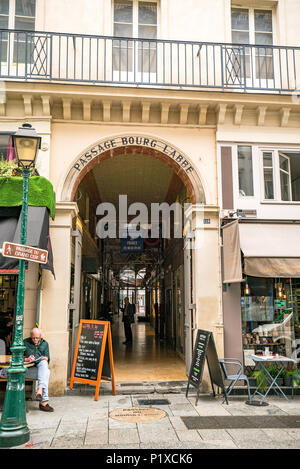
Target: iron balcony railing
{"x": 78, "y": 58}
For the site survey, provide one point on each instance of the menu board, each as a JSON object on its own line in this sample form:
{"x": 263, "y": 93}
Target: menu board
{"x": 88, "y": 357}
{"x": 198, "y": 359}
{"x": 205, "y": 349}
{"x": 93, "y": 358}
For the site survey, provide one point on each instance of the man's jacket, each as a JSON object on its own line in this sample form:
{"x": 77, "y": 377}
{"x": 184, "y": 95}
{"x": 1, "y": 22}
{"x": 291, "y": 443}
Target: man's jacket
{"x": 40, "y": 350}
{"x": 130, "y": 312}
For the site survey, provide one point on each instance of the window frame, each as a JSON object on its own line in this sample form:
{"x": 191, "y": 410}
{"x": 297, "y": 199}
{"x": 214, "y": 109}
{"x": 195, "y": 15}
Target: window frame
{"x": 276, "y": 175}
{"x": 135, "y": 73}
{"x": 253, "y": 78}
{"x": 135, "y": 23}
{"x": 273, "y": 175}
{"x": 10, "y": 59}
{"x": 241, "y": 196}
{"x": 288, "y": 172}
{"x": 251, "y": 16}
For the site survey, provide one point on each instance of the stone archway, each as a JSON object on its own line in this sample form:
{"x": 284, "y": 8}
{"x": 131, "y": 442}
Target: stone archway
{"x": 133, "y": 144}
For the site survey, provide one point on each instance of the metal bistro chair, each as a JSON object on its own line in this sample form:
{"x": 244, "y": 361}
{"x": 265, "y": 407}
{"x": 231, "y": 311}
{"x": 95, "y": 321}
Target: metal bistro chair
{"x": 226, "y": 364}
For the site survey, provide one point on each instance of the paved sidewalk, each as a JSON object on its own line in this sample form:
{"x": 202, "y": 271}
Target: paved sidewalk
{"x": 81, "y": 422}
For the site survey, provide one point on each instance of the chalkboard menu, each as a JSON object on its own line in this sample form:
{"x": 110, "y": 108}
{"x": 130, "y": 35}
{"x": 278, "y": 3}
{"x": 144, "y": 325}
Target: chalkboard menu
{"x": 205, "y": 349}
{"x": 88, "y": 357}
{"x": 93, "y": 354}
{"x": 198, "y": 359}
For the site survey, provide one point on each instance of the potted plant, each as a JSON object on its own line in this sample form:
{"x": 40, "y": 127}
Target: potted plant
{"x": 273, "y": 370}
{"x": 288, "y": 378}
{"x": 260, "y": 378}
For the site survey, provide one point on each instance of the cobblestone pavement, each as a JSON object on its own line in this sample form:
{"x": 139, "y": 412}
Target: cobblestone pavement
{"x": 81, "y": 422}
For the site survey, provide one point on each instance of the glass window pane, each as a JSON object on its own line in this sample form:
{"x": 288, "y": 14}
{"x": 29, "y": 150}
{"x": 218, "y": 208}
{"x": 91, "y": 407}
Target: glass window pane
{"x": 4, "y": 5}
{"x": 268, "y": 182}
{"x": 240, "y": 19}
{"x": 123, "y": 12}
{"x": 239, "y": 37}
{"x": 3, "y": 51}
{"x": 264, "y": 67}
{"x": 263, "y": 20}
{"x": 4, "y": 22}
{"x": 147, "y": 60}
{"x": 4, "y": 140}
{"x": 147, "y": 13}
{"x": 263, "y": 38}
{"x": 122, "y": 59}
{"x": 25, "y": 7}
{"x": 245, "y": 170}
{"x": 147, "y": 32}
{"x": 123, "y": 30}
{"x": 285, "y": 186}
{"x": 268, "y": 161}
{"x": 24, "y": 24}
{"x": 23, "y": 52}
{"x": 283, "y": 163}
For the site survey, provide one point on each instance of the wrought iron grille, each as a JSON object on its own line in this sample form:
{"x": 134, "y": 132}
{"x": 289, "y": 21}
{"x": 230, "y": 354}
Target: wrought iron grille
{"x": 77, "y": 58}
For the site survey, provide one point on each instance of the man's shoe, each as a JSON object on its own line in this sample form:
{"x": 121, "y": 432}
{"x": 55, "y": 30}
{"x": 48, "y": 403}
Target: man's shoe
{"x": 46, "y": 408}
{"x": 38, "y": 396}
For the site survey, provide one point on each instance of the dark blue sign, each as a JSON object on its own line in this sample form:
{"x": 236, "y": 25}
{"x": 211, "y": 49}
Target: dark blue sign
{"x": 134, "y": 245}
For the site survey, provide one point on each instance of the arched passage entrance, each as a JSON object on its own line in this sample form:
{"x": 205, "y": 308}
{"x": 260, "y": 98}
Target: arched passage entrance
{"x": 147, "y": 170}
{"x": 133, "y": 144}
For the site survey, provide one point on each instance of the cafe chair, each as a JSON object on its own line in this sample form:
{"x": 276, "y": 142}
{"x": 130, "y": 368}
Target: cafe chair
{"x": 236, "y": 365}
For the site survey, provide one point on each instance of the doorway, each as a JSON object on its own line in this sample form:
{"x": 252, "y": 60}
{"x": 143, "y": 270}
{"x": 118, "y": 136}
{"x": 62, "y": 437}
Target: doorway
{"x": 148, "y": 270}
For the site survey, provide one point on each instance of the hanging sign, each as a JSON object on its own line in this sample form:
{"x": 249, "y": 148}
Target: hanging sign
{"x": 205, "y": 348}
{"x": 27, "y": 253}
{"x": 93, "y": 358}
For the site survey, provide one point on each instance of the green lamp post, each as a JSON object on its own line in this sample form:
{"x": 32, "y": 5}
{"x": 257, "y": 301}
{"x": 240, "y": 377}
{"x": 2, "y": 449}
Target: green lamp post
{"x": 13, "y": 426}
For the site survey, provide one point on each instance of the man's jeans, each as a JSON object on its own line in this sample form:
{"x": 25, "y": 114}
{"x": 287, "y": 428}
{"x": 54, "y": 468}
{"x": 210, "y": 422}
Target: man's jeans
{"x": 43, "y": 378}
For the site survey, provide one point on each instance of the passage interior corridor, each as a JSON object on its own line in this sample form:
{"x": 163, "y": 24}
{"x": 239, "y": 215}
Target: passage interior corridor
{"x": 147, "y": 359}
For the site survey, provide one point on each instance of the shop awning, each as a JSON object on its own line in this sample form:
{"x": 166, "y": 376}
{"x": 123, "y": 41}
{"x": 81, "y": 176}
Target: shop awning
{"x": 37, "y": 234}
{"x": 269, "y": 249}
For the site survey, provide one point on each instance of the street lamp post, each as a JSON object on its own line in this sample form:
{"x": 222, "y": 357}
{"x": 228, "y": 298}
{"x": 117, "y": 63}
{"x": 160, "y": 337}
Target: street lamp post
{"x": 13, "y": 426}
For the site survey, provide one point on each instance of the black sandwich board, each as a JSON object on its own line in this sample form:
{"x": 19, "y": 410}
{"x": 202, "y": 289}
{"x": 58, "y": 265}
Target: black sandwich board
{"x": 205, "y": 348}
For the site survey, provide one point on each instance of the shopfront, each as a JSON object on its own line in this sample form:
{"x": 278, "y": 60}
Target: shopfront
{"x": 261, "y": 289}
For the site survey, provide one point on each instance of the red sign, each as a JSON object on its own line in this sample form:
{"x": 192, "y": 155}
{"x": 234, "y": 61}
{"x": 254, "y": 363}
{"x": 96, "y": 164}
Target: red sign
{"x": 28, "y": 253}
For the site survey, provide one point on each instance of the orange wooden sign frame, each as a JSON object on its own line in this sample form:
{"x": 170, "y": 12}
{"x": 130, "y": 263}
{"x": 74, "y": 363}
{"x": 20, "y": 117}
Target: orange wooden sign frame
{"x": 106, "y": 336}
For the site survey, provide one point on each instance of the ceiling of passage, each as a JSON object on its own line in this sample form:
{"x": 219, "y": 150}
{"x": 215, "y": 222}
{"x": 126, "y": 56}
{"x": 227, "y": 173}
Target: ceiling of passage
{"x": 140, "y": 177}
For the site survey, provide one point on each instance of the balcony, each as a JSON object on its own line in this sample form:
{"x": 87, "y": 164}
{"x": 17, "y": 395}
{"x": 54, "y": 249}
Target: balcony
{"x": 152, "y": 63}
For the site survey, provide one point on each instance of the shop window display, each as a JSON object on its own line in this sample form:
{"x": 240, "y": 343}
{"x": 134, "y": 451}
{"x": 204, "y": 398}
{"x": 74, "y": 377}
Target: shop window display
{"x": 270, "y": 317}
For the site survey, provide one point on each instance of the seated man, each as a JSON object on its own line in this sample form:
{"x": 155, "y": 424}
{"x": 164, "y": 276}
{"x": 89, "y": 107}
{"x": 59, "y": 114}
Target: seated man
{"x": 38, "y": 348}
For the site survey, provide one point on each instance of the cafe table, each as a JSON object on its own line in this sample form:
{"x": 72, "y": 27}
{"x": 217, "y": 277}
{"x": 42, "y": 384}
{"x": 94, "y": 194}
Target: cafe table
{"x": 262, "y": 361}
{"x": 6, "y": 359}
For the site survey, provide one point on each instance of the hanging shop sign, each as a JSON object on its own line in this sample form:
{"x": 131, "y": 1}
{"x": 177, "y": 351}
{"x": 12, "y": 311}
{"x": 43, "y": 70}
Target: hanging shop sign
{"x": 205, "y": 348}
{"x": 27, "y": 253}
{"x": 93, "y": 358}
{"x": 132, "y": 140}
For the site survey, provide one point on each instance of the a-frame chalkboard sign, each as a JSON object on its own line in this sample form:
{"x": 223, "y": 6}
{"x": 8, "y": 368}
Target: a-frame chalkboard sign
{"x": 205, "y": 348}
{"x": 93, "y": 358}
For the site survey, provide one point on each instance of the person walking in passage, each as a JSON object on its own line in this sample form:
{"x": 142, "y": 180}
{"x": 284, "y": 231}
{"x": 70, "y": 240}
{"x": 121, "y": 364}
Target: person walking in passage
{"x": 128, "y": 318}
{"x": 38, "y": 349}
